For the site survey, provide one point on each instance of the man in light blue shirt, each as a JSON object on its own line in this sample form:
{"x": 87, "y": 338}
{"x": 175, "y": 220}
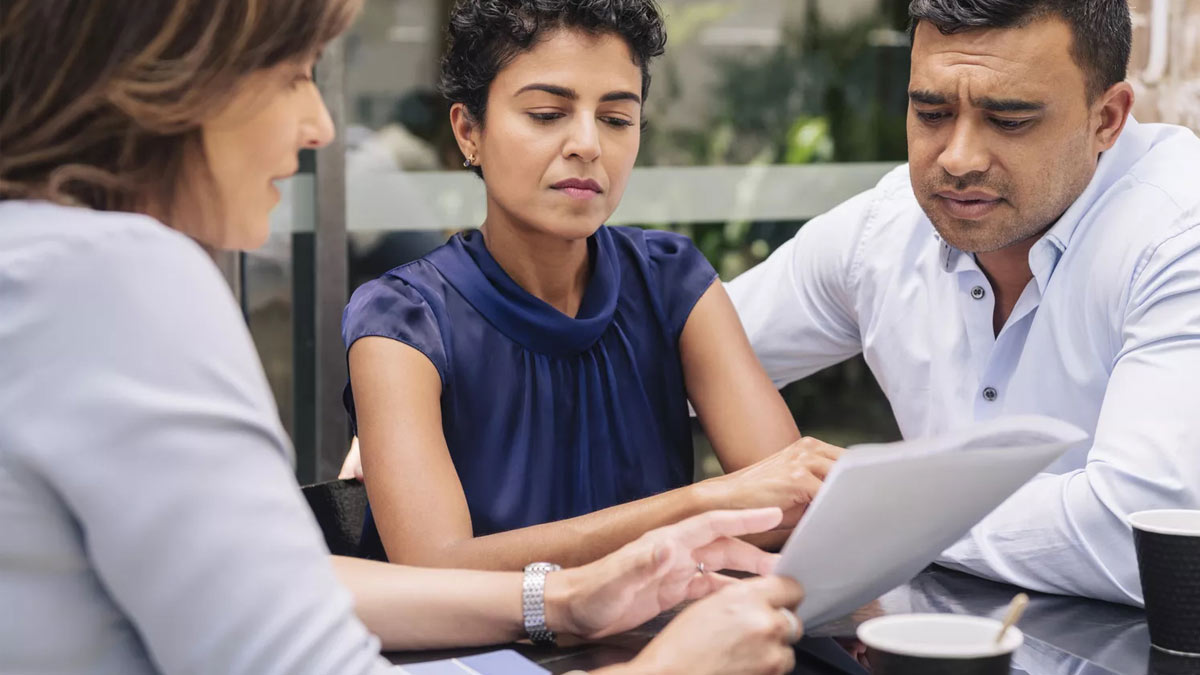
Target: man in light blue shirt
{"x": 1039, "y": 254}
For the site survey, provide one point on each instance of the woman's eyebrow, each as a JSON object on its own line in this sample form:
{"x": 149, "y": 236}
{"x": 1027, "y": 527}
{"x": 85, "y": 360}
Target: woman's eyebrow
{"x": 572, "y": 95}
{"x": 553, "y": 90}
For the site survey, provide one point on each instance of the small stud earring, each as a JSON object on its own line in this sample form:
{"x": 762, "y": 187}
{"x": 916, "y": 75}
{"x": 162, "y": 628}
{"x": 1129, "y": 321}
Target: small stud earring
{"x": 469, "y": 162}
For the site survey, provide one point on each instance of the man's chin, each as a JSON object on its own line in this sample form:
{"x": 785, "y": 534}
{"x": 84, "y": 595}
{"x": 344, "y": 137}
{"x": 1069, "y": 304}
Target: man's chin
{"x": 979, "y": 237}
{"x": 968, "y": 236}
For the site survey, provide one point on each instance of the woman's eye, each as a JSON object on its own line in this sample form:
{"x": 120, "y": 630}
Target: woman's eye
{"x": 546, "y": 117}
{"x": 617, "y": 122}
{"x": 302, "y": 78}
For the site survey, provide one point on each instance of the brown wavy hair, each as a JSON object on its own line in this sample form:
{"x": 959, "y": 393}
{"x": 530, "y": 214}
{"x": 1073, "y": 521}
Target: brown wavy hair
{"x": 102, "y": 101}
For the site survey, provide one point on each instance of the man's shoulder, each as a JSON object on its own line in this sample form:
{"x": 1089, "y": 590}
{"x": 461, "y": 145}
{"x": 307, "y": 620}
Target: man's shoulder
{"x": 1155, "y": 199}
{"x": 1163, "y": 174}
{"x": 892, "y": 211}
{"x": 889, "y": 210}
{"x": 888, "y": 229}
{"x": 1169, "y": 164}
{"x": 1142, "y": 218}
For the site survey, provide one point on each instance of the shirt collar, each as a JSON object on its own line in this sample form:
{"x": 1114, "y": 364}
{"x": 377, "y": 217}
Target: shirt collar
{"x": 468, "y": 265}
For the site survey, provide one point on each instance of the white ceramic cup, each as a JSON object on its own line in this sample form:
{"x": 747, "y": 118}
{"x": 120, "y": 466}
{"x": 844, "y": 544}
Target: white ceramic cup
{"x": 912, "y": 643}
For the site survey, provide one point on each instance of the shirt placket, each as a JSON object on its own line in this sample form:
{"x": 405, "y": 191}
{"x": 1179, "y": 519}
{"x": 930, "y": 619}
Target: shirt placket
{"x": 976, "y": 305}
{"x": 1000, "y": 354}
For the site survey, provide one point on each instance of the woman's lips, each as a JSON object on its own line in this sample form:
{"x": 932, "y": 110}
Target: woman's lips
{"x": 582, "y": 194}
{"x": 578, "y": 188}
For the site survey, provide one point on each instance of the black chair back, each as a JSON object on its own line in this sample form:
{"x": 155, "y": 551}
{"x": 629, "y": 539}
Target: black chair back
{"x": 340, "y": 507}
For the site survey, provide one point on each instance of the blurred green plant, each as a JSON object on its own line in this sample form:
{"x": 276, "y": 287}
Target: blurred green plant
{"x": 824, "y": 94}
{"x": 809, "y": 140}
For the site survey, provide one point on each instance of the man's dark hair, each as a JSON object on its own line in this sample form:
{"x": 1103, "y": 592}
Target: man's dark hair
{"x": 1101, "y": 30}
{"x": 485, "y": 35}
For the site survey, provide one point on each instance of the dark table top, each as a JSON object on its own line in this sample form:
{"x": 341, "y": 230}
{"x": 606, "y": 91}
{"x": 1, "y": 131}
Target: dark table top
{"x": 1063, "y": 635}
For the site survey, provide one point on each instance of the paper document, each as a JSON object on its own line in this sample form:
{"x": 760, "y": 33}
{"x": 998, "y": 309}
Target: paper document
{"x": 887, "y": 510}
{"x": 502, "y": 662}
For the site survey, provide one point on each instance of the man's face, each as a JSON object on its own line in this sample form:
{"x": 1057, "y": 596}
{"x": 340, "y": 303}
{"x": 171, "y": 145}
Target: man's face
{"x": 1000, "y": 138}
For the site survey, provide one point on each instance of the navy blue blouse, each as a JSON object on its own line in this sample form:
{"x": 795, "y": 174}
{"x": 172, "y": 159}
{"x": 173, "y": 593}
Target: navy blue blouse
{"x": 547, "y": 416}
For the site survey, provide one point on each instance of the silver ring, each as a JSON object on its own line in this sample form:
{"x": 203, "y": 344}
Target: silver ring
{"x": 793, "y": 624}
{"x": 700, "y": 567}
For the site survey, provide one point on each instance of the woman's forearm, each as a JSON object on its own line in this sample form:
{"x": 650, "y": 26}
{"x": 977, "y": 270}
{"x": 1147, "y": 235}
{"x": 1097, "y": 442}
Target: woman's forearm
{"x": 572, "y": 542}
{"x": 415, "y": 608}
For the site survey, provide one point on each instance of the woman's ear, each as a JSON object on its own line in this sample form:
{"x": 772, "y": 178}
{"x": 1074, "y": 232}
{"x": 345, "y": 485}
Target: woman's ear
{"x": 466, "y": 132}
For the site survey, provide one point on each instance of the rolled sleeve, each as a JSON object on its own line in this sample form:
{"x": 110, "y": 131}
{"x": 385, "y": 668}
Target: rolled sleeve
{"x": 1068, "y": 533}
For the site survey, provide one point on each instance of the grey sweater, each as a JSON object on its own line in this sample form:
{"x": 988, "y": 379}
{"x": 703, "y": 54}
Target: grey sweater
{"x": 149, "y": 517}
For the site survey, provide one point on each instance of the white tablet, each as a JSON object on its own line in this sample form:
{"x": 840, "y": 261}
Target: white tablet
{"x": 887, "y": 510}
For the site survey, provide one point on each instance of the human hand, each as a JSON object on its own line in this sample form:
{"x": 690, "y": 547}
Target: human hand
{"x": 657, "y": 571}
{"x": 747, "y": 627}
{"x": 788, "y": 479}
{"x": 856, "y": 649}
{"x": 352, "y": 466}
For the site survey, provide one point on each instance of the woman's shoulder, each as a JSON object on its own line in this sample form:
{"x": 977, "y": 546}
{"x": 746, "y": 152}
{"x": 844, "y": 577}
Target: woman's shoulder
{"x": 61, "y": 257}
{"x": 403, "y": 305}
{"x": 653, "y": 244}
{"x": 674, "y": 271}
{"x": 411, "y": 286}
{"x": 90, "y": 292}
{"x": 669, "y": 258}
{"x": 52, "y": 233}
{"x": 666, "y": 254}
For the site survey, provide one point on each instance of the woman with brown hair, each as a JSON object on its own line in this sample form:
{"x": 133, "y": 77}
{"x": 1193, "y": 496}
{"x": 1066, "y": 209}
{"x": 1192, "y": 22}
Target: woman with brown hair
{"x": 151, "y": 520}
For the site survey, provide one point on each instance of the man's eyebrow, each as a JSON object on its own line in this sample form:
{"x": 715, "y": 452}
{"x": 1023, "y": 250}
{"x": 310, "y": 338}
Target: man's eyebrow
{"x": 553, "y": 90}
{"x": 986, "y": 102}
{"x": 927, "y": 97}
{"x": 1007, "y": 105}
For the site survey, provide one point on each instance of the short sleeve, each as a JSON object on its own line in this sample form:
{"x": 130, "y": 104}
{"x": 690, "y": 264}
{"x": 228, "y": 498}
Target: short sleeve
{"x": 680, "y": 275}
{"x": 392, "y": 308}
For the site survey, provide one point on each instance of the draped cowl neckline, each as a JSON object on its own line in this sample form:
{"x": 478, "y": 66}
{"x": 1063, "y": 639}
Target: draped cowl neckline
{"x": 470, "y": 268}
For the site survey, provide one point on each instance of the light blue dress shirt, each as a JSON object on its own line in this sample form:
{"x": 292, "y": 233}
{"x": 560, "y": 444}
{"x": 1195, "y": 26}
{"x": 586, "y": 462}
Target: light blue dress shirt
{"x": 1106, "y": 336}
{"x": 149, "y": 517}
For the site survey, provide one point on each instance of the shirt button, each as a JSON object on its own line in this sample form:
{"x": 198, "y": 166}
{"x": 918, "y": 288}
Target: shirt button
{"x": 990, "y": 394}
{"x": 978, "y": 292}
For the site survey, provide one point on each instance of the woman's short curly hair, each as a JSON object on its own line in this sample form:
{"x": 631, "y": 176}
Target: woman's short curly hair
{"x": 485, "y": 35}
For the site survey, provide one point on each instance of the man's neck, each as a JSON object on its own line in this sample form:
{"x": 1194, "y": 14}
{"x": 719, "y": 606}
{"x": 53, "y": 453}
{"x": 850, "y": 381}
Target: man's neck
{"x": 553, "y": 269}
{"x": 1008, "y": 271}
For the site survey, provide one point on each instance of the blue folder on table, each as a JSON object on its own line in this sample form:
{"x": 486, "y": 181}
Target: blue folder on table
{"x": 503, "y": 662}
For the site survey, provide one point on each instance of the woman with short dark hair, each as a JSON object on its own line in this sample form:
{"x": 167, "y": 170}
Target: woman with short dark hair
{"x": 150, "y": 518}
{"x": 521, "y": 393}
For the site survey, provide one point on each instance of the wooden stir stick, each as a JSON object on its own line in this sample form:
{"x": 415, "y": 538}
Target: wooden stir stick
{"x": 1015, "y": 609}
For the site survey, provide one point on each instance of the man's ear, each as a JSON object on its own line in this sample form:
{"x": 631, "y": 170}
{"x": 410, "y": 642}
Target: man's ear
{"x": 1111, "y": 111}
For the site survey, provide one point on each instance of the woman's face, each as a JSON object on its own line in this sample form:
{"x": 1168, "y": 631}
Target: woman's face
{"x": 562, "y": 131}
{"x": 254, "y": 141}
